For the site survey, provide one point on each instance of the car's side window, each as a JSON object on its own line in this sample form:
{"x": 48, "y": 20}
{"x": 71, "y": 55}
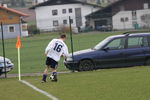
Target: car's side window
{"x": 148, "y": 40}
{"x": 116, "y": 44}
{"x": 137, "y": 42}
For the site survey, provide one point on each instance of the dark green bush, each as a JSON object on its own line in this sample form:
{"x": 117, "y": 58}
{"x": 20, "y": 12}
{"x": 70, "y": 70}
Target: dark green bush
{"x": 32, "y": 29}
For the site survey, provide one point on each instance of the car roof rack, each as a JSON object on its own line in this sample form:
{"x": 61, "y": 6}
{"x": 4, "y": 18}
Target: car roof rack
{"x": 132, "y": 32}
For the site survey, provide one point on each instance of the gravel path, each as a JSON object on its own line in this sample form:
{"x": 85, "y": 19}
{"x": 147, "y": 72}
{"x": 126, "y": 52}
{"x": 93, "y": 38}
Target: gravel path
{"x": 29, "y": 74}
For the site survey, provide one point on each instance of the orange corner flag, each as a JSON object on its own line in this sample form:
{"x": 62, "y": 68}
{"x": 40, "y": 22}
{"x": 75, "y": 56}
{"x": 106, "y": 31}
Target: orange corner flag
{"x": 18, "y": 43}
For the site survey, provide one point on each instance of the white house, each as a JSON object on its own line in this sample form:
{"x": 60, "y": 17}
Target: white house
{"x": 52, "y": 15}
{"x": 131, "y": 19}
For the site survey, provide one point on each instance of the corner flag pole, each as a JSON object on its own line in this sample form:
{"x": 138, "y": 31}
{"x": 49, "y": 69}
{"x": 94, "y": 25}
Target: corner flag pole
{"x": 19, "y": 72}
{"x": 18, "y": 46}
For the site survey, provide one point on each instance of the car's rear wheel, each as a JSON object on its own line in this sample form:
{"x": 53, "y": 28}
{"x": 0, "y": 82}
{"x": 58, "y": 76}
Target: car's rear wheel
{"x": 147, "y": 62}
{"x": 86, "y": 65}
{"x": 0, "y": 72}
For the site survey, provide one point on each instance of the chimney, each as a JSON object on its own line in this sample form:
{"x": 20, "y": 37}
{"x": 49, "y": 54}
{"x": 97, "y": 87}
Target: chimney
{"x": 2, "y": 4}
{"x": 5, "y": 5}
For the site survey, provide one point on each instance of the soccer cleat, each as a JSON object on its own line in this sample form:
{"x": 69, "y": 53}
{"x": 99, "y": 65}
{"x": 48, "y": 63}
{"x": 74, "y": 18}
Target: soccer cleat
{"x": 43, "y": 81}
{"x": 44, "y": 78}
{"x": 55, "y": 78}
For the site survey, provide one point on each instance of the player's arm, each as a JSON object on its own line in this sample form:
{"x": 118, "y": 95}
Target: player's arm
{"x": 49, "y": 46}
{"x": 65, "y": 51}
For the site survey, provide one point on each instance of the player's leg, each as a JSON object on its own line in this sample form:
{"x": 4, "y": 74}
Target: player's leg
{"x": 53, "y": 66}
{"x": 48, "y": 61}
{"x": 45, "y": 74}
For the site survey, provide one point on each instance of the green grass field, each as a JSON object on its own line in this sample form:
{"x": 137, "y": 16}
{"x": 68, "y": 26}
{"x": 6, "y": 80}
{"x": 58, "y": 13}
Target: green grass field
{"x": 32, "y": 51}
{"x": 107, "y": 84}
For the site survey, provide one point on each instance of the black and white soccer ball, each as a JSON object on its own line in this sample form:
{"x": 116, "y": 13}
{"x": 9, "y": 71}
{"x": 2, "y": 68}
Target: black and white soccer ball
{"x": 51, "y": 77}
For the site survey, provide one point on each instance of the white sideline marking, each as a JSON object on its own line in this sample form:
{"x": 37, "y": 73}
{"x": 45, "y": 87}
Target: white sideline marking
{"x": 39, "y": 90}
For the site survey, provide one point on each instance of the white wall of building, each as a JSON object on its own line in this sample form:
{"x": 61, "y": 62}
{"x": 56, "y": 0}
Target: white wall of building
{"x": 126, "y": 24}
{"x": 139, "y": 20}
{"x": 45, "y": 18}
{"x": 129, "y": 22}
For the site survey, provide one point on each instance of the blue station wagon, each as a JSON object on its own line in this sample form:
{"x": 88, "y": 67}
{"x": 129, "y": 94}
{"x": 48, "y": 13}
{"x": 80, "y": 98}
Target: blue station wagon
{"x": 115, "y": 51}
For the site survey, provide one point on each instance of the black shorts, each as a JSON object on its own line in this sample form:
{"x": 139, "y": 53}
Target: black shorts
{"x": 51, "y": 62}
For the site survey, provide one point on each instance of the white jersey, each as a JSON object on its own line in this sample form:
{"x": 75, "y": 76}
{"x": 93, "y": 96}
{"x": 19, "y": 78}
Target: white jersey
{"x": 56, "y": 48}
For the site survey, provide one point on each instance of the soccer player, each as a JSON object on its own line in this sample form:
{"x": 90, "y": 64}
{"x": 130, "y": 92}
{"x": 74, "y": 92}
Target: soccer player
{"x": 55, "y": 49}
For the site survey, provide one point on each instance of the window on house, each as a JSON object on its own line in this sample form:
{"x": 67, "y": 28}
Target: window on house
{"x": 126, "y": 19}
{"x": 54, "y": 12}
{"x": 11, "y": 28}
{"x": 122, "y": 19}
{"x": 70, "y": 10}
{"x": 64, "y": 21}
{"x": 55, "y": 23}
{"x": 133, "y": 13}
{"x": 146, "y": 6}
{"x": 134, "y": 17}
{"x": 64, "y": 11}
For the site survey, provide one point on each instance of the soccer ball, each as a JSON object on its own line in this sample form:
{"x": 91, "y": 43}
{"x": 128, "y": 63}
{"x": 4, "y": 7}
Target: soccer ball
{"x": 51, "y": 77}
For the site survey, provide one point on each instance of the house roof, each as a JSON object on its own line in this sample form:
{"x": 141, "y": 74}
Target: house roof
{"x": 14, "y": 11}
{"x": 113, "y": 4}
{"x": 106, "y": 9}
{"x": 60, "y": 2}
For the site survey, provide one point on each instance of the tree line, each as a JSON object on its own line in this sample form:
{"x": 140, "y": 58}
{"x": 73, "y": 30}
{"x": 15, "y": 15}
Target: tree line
{"x": 22, "y": 3}
{"x": 16, "y": 3}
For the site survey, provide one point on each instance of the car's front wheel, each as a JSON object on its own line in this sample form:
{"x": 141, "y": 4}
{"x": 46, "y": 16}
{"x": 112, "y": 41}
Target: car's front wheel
{"x": 86, "y": 65}
{"x": 147, "y": 62}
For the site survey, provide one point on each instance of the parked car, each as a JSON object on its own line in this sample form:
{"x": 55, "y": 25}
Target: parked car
{"x": 115, "y": 51}
{"x": 104, "y": 28}
{"x": 8, "y": 63}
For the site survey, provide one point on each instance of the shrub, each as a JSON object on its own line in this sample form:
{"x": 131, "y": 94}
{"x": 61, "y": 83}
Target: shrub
{"x": 32, "y": 29}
